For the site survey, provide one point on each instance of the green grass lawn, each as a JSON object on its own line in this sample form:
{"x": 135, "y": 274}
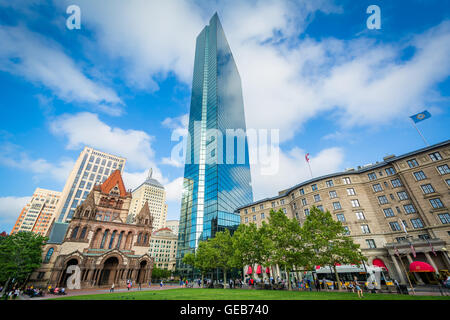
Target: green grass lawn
{"x": 237, "y": 294}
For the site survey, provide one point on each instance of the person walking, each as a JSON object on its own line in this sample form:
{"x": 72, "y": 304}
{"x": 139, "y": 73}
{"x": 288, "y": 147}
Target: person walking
{"x": 358, "y": 288}
{"x": 397, "y": 286}
{"x": 161, "y": 284}
{"x": 129, "y": 285}
{"x": 112, "y": 288}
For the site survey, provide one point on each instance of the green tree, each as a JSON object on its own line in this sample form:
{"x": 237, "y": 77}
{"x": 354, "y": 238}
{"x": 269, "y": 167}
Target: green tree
{"x": 251, "y": 245}
{"x": 158, "y": 273}
{"x": 222, "y": 252}
{"x": 203, "y": 259}
{"x": 288, "y": 247}
{"x": 328, "y": 241}
{"x": 20, "y": 255}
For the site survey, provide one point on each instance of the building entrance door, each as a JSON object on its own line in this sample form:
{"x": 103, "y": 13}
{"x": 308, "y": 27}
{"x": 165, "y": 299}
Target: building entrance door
{"x": 109, "y": 271}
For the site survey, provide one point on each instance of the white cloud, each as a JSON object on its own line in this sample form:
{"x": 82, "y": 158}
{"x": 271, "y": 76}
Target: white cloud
{"x": 179, "y": 126}
{"x": 152, "y": 38}
{"x": 14, "y": 157}
{"x": 173, "y": 189}
{"x": 360, "y": 82}
{"x": 293, "y": 169}
{"x": 10, "y": 208}
{"x": 42, "y": 61}
{"x": 87, "y": 129}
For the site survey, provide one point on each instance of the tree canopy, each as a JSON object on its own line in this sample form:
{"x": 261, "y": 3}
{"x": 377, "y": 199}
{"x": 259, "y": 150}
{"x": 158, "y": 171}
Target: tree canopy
{"x": 20, "y": 255}
{"x": 327, "y": 239}
{"x": 321, "y": 240}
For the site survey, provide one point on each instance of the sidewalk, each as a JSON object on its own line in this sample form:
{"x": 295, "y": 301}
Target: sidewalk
{"x": 82, "y": 292}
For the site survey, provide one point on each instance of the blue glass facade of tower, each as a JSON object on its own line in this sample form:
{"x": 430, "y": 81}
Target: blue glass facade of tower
{"x": 217, "y": 170}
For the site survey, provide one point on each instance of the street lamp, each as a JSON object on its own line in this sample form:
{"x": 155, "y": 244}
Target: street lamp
{"x": 364, "y": 264}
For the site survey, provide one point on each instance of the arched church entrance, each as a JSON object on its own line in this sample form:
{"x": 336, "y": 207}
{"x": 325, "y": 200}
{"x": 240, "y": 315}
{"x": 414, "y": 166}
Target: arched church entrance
{"x": 65, "y": 275}
{"x": 141, "y": 273}
{"x": 109, "y": 271}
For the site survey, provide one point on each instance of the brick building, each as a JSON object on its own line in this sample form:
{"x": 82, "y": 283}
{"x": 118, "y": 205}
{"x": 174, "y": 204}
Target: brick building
{"x": 99, "y": 241}
{"x": 374, "y": 202}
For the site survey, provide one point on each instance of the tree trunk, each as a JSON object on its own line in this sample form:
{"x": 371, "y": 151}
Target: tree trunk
{"x": 337, "y": 277}
{"x": 288, "y": 276}
{"x": 203, "y": 275}
{"x": 5, "y": 287}
{"x": 224, "y": 278}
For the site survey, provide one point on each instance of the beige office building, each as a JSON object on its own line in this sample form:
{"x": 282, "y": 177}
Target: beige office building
{"x": 153, "y": 192}
{"x": 38, "y": 213}
{"x": 163, "y": 248}
{"x": 173, "y": 225}
{"x": 374, "y": 202}
{"x": 92, "y": 167}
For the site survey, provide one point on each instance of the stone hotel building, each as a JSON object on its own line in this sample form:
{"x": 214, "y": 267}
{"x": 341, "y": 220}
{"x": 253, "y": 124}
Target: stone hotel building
{"x": 385, "y": 207}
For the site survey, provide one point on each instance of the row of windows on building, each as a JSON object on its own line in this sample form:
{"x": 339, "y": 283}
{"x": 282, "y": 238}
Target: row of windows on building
{"x": 102, "y": 159}
{"x": 402, "y": 195}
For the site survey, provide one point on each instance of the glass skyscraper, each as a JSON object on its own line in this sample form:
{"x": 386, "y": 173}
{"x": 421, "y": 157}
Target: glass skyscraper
{"x": 217, "y": 170}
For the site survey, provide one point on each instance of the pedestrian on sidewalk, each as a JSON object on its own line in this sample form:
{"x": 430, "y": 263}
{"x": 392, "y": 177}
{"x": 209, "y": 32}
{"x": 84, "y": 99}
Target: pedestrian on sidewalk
{"x": 129, "y": 286}
{"x": 140, "y": 288}
{"x": 161, "y": 284}
{"x": 112, "y": 288}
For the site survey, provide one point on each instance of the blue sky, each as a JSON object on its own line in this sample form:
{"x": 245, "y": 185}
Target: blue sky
{"x": 310, "y": 69}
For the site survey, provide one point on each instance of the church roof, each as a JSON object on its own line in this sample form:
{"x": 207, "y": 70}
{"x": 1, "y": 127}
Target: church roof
{"x": 58, "y": 231}
{"x": 114, "y": 179}
{"x": 150, "y": 181}
{"x": 145, "y": 213}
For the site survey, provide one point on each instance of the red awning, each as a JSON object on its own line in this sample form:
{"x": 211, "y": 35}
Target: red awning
{"x": 258, "y": 270}
{"x": 267, "y": 270}
{"x": 249, "y": 271}
{"x": 419, "y": 266}
{"x": 317, "y": 267}
{"x": 379, "y": 263}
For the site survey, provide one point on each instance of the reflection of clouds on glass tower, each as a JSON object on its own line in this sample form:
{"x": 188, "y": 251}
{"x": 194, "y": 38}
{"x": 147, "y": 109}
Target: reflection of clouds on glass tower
{"x": 213, "y": 185}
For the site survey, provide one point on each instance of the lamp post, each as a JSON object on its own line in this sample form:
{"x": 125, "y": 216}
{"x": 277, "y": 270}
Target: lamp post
{"x": 364, "y": 264}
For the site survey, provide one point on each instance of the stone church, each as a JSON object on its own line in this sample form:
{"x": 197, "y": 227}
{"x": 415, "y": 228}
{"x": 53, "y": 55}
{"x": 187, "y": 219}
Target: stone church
{"x": 99, "y": 241}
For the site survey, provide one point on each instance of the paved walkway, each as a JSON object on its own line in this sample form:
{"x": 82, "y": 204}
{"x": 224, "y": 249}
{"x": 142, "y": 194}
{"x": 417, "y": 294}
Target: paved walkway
{"x": 82, "y": 292}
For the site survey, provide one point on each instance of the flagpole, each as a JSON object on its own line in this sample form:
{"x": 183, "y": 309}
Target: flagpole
{"x": 406, "y": 273}
{"x": 309, "y": 166}
{"x": 414, "y": 125}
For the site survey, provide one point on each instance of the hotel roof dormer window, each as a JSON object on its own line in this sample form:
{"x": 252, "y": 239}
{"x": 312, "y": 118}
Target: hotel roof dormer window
{"x": 390, "y": 171}
{"x": 412, "y": 163}
{"x": 435, "y": 156}
{"x": 314, "y": 187}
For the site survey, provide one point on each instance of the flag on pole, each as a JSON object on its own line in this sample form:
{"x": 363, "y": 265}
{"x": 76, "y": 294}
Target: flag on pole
{"x": 403, "y": 225}
{"x": 420, "y": 116}
{"x": 309, "y": 166}
{"x": 396, "y": 252}
{"x": 432, "y": 249}
{"x": 412, "y": 249}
